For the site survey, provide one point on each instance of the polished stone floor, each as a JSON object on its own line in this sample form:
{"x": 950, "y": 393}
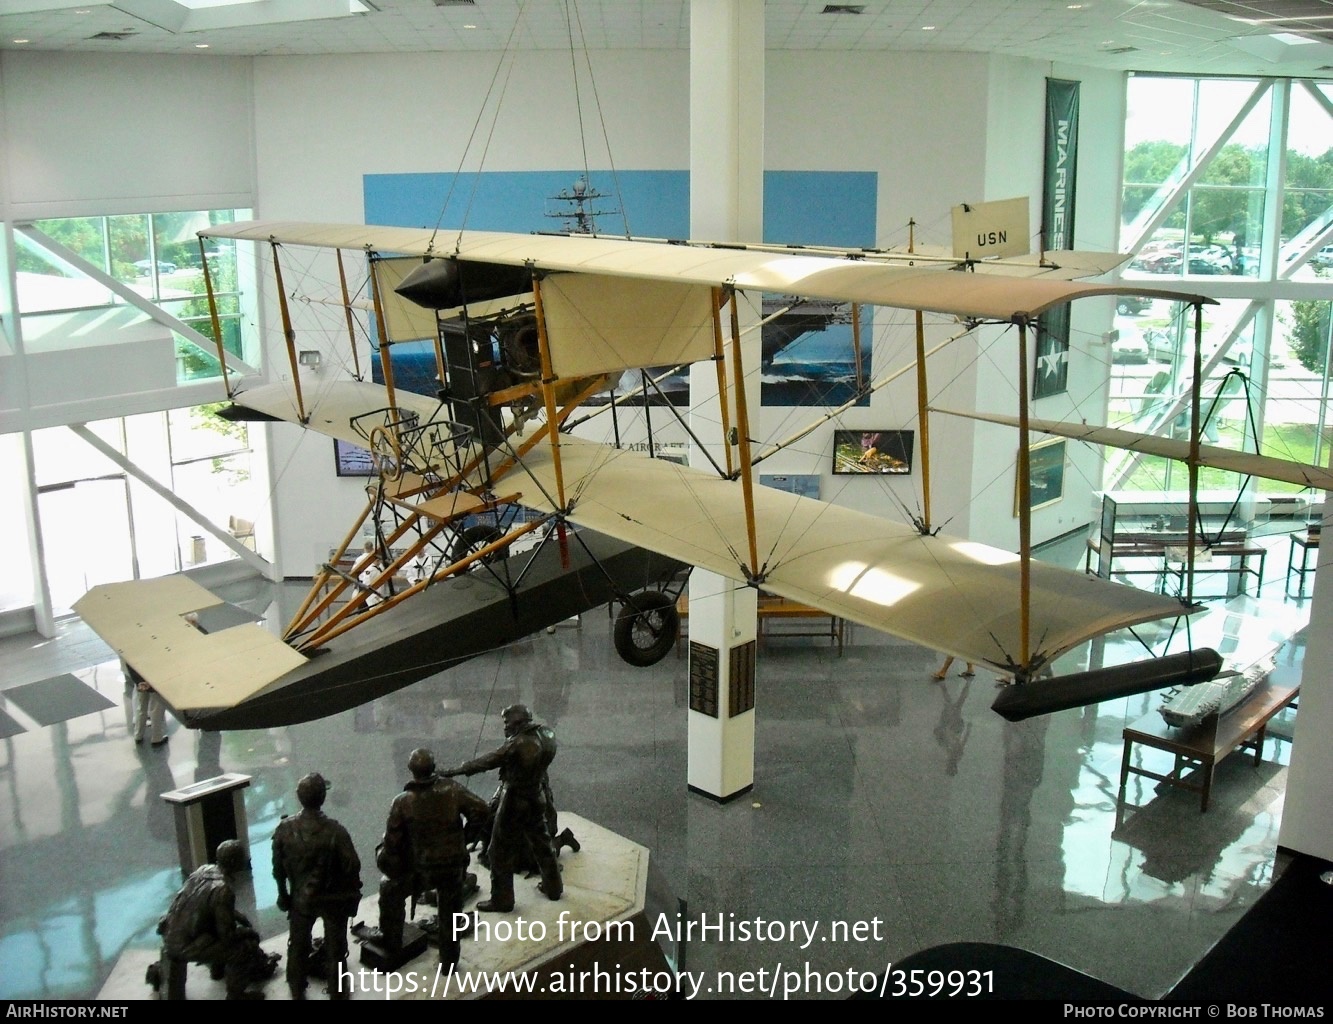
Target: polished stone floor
{"x": 880, "y": 796}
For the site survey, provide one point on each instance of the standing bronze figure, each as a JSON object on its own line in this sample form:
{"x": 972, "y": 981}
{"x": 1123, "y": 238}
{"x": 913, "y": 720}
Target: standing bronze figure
{"x": 319, "y": 878}
{"x": 521, "y": 825}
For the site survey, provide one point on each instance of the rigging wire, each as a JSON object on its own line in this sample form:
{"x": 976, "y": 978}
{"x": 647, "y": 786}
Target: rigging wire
{"x": 506, "y": 60}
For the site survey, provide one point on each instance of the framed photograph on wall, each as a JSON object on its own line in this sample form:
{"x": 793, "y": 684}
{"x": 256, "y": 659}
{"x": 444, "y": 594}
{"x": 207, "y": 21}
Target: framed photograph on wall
{"x": 1046, "y": 462}
{"x": 351, "y": 459}
{"x": 873, "y": 452}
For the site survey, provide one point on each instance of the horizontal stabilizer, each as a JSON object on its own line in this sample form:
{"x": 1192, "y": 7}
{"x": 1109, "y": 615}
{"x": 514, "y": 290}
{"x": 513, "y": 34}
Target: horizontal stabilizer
{"x": 1246, "y": 463}
{"x": 1044, "y": 696}
{"x": 331, "y": 409}
{"x": 145, "y": 622}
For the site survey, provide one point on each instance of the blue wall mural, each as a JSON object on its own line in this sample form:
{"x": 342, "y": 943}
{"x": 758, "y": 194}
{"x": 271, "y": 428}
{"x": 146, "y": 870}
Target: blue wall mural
{"x": 808, "y": 354}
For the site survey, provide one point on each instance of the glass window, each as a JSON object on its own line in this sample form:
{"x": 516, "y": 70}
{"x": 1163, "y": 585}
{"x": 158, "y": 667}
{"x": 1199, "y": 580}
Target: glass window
{"x": 211, "y": 471}
{"x": 156, "y": 255}
{"x": 1199, "y": 179}
{"x": 1296, "y": 420}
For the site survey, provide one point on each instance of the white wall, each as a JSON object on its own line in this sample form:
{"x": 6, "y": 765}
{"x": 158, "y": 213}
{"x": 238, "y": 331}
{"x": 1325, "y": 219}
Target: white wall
{"x": 322, "y": 123}
{"x": 863, "y": 112}
{"x": 1307, "y": 818}
{"x": 89, "y": 134}
{"x": 85, "y": 135}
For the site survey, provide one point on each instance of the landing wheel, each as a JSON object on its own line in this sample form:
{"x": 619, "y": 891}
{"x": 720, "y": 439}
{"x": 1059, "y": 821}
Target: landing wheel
{"x": 474, "y": 538}
{"x": 647, "y": 628}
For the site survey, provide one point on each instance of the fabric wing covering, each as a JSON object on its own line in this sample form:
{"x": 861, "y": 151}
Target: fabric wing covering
{"x": 906, "y": 285}
{"x": 1246, "y": 463}
{"x": 954, "y": 596}
{"x": 950, "y": 595}
{"x": 595, "y": 329}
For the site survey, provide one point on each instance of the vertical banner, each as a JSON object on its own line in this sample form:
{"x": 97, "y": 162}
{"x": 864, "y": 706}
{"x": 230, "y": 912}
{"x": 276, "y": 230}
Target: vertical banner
{"x": 1051, "y": 374}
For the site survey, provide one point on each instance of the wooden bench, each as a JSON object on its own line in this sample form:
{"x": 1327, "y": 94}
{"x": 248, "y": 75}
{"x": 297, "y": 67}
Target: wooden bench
{"x": 777, "y": 611}
{"x": 1198, "y": 748}
{"x": 774, "y": 611}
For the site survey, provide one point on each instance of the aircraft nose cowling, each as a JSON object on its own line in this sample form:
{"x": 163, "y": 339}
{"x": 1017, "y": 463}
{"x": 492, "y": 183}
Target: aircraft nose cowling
{"x": 446, "y": 283}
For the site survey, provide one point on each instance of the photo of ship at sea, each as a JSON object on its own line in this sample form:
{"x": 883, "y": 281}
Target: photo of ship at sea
{"x": 809, "y": 358}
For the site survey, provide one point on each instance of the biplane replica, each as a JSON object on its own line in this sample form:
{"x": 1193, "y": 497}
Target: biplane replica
{"x": 526, "y": 328}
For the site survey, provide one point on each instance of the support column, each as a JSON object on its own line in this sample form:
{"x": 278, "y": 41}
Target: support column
{"x": 1307, "y": 813}
{"x": 726, "y": 204}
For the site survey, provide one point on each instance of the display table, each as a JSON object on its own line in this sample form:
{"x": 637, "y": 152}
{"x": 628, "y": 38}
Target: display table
{"x": 781, "y": 617}
{"x": 1307, "y": 542}
{"x": 1198, "y": 748}
{"x": 1237, "y": 554}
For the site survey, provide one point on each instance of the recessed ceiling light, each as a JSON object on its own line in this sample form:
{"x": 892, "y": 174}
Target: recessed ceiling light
{"x": 469, "y": 26}
{"x": 1073, "y": 7}
{"x": 927, "y": 28}
{"x": 22, "y": 40}
{"x": 201, "y": 46}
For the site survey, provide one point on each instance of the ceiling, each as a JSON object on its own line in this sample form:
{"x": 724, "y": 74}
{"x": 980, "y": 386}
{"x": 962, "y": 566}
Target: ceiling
{"x": 1190, "y": 36}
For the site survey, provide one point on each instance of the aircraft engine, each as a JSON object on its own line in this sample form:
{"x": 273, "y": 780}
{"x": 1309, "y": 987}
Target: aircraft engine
{"x": 519, "y": 344}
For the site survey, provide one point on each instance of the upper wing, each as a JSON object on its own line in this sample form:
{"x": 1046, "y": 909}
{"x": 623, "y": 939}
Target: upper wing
{"x": 954, "y": 596}
{"x": 932, "y": 286}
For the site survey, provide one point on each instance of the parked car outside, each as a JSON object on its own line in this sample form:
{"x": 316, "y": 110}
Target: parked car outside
{"x": 145, "y": 267}
{"x": 1132, "y": 305}
{"x": 1161, "y": 346}
{"x": 1129, "y": 348}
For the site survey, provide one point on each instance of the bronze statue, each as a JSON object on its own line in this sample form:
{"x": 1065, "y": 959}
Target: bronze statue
{"x": 319, "y": 878}
{"x": 203, "y": 926}
{"x": 521, "y": 825}
{"x": 425, "y": 847}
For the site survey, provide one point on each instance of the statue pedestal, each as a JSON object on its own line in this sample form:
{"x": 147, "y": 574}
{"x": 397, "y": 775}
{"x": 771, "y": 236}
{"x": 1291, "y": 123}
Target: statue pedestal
{"x": 380, "y": 957}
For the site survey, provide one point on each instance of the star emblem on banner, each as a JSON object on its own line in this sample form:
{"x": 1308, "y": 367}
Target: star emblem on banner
{"x": 1051, "y": 363}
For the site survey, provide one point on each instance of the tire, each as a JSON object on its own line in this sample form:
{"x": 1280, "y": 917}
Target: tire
{"x": 646, "y": 628}
{"x": 1122, "y": 307}
{"x": 474, "y": 538}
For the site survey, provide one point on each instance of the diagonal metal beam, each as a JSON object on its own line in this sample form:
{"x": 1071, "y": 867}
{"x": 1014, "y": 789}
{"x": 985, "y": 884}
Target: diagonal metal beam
{"x": 132, "y": 297}
{"x": 255, "y": 561}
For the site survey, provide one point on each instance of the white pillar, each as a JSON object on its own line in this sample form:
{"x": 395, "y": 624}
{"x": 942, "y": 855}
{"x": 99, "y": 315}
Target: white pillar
{"x": 1307, "y": 811}
{"x": 726, "y": 204}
